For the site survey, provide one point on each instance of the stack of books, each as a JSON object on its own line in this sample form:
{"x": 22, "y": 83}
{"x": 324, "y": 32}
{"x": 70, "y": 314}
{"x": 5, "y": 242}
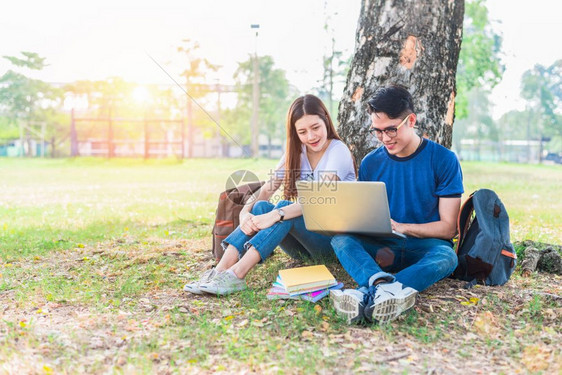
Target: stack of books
{"x": 308, "y": 283}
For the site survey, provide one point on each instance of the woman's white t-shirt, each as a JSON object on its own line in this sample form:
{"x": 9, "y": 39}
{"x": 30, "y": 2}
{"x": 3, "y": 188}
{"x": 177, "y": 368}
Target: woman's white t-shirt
{"x": 336, "y": 159}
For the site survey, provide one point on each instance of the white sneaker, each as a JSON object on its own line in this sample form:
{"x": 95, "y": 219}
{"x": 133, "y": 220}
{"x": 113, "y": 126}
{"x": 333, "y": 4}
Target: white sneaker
{"x": 348, "y": 303}
{"x": 224, "y": 283}
{"x": 389, "y": 301}
{"x": 193, "y": 287}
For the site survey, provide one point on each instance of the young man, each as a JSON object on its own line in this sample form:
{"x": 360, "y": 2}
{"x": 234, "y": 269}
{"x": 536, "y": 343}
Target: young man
{"x": 424, "y": 185}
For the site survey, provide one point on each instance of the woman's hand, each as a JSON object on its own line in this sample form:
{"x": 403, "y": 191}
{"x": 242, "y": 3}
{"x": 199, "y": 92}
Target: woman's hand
{"x": 243, "y": 216}
{"x": 265, "y": 220}
{"x": 247, "y": 225}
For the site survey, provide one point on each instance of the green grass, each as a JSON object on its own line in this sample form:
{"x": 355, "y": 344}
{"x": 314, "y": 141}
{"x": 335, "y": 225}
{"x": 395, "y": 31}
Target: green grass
{"x": 58, "y": 204}
{"x": 530, "y": 193}
{"x": 49, "y": 205}
{"x": 93, "y": 255}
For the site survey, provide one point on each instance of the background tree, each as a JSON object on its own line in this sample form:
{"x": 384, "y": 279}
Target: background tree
{"x": 520, "y": 125}
{"x": 542, "y": 87}
{"x": 478, "y": 71}
{"x": 236, "y": 121}
{"x": 406, "y": 42}
{"x": 480, "y": 65}
{"x": 275, "y": 97}
{"x": 335, "y": 67}
{"x": 7, "y": 130}
{"x": 478, "y": 125}
{"x": 516, "y": 125}
{"x": 196, "y": 85}
{"x": 27, "y": 103}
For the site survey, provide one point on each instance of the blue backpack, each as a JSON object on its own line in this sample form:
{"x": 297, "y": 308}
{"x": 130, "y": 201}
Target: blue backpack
{"x": 484, "y": 250}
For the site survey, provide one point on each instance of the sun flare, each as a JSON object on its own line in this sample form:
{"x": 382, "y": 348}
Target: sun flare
{"x": 141, "y": 95}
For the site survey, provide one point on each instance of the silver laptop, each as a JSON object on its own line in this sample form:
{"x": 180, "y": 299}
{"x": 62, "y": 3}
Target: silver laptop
{"x": 331, "y": 207}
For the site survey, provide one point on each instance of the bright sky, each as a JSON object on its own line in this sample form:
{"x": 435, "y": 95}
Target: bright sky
{"x": 530, "y": 33}
{"x": 103, "y": 38}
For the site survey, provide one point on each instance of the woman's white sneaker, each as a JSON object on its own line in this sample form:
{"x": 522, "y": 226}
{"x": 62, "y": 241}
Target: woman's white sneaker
{"x": 193, "y": 287}
{"x": 224, "y": 283}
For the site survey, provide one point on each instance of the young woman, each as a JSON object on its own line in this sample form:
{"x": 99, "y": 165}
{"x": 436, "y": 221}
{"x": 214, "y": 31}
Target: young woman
{"x": 314, "y": 152}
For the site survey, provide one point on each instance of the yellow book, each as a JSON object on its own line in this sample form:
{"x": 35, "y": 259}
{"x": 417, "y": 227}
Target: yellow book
{"x": 302, "y": 278}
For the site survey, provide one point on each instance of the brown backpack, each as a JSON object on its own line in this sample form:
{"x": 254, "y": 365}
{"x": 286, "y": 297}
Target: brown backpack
{"x": 227, "y": 217}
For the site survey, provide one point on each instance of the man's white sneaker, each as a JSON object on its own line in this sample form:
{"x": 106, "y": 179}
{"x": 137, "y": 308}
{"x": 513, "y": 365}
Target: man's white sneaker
{"x": 193, "y": 287}
{"x": 389, "y": 301}
{"x": 224, "y": 283}
{"x": 348, "y": 303}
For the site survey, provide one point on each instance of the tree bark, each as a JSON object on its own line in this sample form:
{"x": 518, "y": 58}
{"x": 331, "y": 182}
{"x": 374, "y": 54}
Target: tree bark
{"x": 407, "y": 42}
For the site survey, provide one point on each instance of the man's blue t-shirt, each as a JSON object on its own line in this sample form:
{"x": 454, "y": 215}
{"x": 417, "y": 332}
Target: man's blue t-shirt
{"x": 415, "y": 183}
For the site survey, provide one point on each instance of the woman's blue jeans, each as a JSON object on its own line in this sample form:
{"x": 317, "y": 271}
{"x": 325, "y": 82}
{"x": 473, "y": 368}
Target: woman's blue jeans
{"x": 291, "y": 235}
{"x": 418, "y": 262}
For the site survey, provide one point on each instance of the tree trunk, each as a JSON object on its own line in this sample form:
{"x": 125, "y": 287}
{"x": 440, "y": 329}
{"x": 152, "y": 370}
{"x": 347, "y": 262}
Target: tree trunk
{"x": 269, "y": 146}
{"x": 190, "y": 130}
{"x": 407, "y": 42}
{"x": 53, "y": 147}
{"x": 29, "y": 149}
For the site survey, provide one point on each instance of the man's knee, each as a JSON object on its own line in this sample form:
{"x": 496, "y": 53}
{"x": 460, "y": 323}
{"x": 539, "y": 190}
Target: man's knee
{"x": 449, "y": 260}
{"x": 341, "y": 241}
{"x": 261, "y": 207}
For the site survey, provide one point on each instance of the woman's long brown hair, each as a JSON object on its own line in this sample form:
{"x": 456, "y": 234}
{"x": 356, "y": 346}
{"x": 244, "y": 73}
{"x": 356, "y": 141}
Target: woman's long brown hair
{"x": 304, "y": 105}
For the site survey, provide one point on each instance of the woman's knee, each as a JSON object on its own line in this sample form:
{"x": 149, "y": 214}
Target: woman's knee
{"x": 283, "y": 203}
{"x": 261, "y": 207}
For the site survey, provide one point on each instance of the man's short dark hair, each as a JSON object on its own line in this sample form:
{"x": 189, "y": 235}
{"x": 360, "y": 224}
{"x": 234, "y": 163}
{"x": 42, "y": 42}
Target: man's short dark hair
{"x": 393, "y": 100}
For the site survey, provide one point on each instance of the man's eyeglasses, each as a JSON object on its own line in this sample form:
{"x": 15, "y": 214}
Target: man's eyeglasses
{"x": 390, "y": 131}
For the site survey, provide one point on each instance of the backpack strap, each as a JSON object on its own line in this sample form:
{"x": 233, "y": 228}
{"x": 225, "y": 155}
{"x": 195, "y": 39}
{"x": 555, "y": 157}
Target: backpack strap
{"x": 463, "y": 221}
{"x": 231, "y": 201}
